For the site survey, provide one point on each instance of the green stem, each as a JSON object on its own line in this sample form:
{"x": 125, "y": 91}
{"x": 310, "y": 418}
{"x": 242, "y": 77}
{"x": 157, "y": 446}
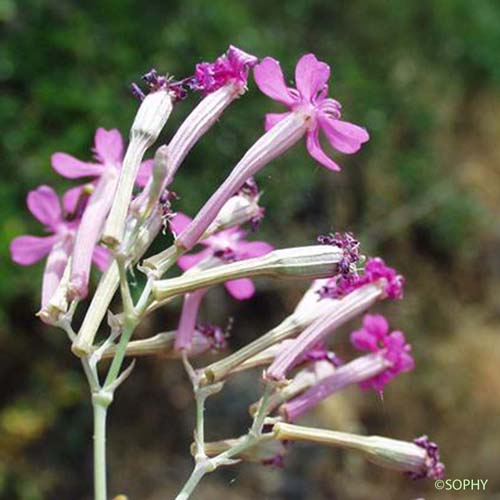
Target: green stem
{"x": 121, "y": 348}
{"x": 196, "y": 476}
{"x": 100, "y": 412}
{"x": 200, "y": 427}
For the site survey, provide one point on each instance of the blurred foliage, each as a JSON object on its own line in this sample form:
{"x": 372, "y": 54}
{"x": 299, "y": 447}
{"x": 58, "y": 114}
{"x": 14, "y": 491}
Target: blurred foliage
{"x": 423, "y": 77}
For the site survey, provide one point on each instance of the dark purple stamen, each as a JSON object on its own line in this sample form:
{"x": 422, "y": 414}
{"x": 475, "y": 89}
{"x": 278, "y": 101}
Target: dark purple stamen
{"x": 434, "y": 468}
{"x": 276, "y": 461}
{"x": 151, "y": 78}
{"x": 156, "y": 82}
{"x": 137, "y": 92}
{"x": 250, "y": 188}
{"x": 226, "y": 254}
{"x": 216, "y": 336}
{"x": 81, "y": 205}
{"x": 350, "y": 247}
{"x": 323, "y": 355}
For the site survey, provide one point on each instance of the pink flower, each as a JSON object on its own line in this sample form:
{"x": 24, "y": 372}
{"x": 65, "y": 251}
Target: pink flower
{"x": 374, "y": 337}
{"x": 59, "y": 220}
{"x": 310, "y": 98}
{"x": 231, "y": 67}
{"x": 108, "y": 151}
{"x": 227, "y": 246}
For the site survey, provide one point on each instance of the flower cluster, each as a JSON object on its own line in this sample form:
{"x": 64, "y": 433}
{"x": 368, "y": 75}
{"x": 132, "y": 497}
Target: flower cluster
{"x": 114, "y": 217}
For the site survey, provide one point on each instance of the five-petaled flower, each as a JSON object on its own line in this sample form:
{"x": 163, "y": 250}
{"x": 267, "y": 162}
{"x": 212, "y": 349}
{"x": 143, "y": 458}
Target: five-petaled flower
{"x": 58, "y": 219}
{"x": 374, "y": 337}
{"x": 310, "y": 98}
{"x": 225, "y": 246}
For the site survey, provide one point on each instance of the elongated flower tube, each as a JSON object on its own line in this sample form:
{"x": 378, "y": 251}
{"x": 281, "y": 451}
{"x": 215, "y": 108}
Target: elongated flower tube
{"x": 378, "y": 282}
{"x": 355, "y": 372}
{"x": 271, "y": 145}
{"x": 89, "y": 232}
{"x": 419, "y": 459}
{"x": 223, "y": 247}
{"x": 150, "y": 119}
{"x": 307, "y": 310}
{"x": 301, "y": 262}
{"x": 206, "y": 338}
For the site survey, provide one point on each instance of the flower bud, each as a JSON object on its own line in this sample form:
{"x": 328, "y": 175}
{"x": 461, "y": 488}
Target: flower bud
{"x": 419, "y": 459}
{"x": 149, "y": 121}
{"x": 143, "y": 204}
{"x": 302, "y": 262}
{"x": 236, "y": 211}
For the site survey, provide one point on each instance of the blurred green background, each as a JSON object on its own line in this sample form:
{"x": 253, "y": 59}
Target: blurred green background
{"x": 423, "y": 77}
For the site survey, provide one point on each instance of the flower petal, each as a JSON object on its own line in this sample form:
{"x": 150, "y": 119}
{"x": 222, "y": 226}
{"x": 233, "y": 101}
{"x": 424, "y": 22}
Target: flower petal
{"x": 70, "y": 199}
{"x": 364, "y": 340}
{"x": 240, "y": 289}
{"x": 376, "y": 325}
{"x": 108, "y": 146}
{"x": 44, "y": 204}
{"x": 271, "y": 82}
{"x": 26, "y": 250}
{"x": 71, "y": 168}
{"x": 188, "y": 261}
{"x": 179, "y": 222}
{"x": 248, "y": 249}
{"x": 343, "y": 136}
{"x": 315, "y": 150}
{"x": 273, "y": 118}
{"x": 101, "y": 257}
{"x": 311, "y": 76}
{"x": 145, "y": 173}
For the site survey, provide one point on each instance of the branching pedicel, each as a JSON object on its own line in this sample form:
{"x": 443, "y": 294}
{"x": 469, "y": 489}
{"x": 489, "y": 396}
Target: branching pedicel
{"x": 298, "y": 369}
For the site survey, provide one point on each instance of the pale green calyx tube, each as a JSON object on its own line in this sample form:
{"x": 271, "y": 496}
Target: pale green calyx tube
{"x": 318, "y": 261}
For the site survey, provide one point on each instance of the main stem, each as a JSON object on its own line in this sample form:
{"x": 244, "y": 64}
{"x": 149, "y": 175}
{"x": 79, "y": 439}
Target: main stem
{"x": 100, "y": 412}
